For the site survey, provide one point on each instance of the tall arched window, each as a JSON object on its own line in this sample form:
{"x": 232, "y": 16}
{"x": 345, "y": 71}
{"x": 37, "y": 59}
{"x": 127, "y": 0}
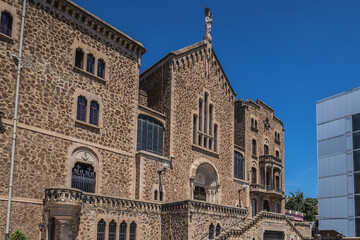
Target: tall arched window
{"x": 83, "y": 177}
{"x": 122, "y": 233}
{"x": 132, "y": 235}
{"x": 81, "y": 109}
{"x": 101, "y": 68}
{"x": 150, "y": 135}
{"x": 254, "y": 152}
{"x": 101, "y": 230}
{"x": 194, "y": 129}
{"x": 218, "y": 229}
{"x": 266, "y": 205}
{"x": 215, "y": 137}
{"x": 200, "y": 114}
{"x": 112, "y": 230}
{"x": 79, "y": 58}
{"x": 211, "y": 231}
{"x": 253, "y": 175}
{"x": 156, "y": 195}
{"x": 6, "y": 23}
{"x": 266, "y": 149}
{"x": 90, "y": 61}
{"x": 238, "y": 165}
{"x": 205, "y": 112}
{"x": 94, "y": 113}
{"x": 210, "y": 118}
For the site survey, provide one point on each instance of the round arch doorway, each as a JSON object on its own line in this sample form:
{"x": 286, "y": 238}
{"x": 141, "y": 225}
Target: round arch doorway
{"x": 206, "y": 187}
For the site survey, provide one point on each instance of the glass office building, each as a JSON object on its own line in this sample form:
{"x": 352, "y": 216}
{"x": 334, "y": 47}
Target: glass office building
{"x": 338, "y": 146}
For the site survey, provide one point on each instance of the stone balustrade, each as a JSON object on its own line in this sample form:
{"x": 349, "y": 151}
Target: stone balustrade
{"x": 75, "y": 196}
{"x": 269, "y": 158}
{"x": 263, "y": 188}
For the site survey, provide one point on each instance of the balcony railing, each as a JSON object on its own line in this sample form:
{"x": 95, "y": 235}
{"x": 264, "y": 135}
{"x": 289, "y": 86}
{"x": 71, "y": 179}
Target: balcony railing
{"x": 264, "y": 188}
{"x": 266, "y": 158}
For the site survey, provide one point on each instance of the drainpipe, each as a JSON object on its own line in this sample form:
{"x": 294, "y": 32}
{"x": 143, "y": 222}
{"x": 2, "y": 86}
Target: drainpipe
{"x": 18, "y": 61}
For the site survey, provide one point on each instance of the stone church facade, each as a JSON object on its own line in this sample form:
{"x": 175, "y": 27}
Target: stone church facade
{"x": 104, "y": 152}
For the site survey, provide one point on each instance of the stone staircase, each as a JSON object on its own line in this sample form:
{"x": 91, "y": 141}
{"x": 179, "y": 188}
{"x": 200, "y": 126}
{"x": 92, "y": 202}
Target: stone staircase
{"x": 238, "y": 231}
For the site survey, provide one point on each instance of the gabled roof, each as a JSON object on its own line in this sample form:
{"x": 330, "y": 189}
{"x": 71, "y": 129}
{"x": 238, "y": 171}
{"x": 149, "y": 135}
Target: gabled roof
{"x": 181, "y": 53}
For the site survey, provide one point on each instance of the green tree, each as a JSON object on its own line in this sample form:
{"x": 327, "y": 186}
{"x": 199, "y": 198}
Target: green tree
{"x": 17, "y": 235}
{"x": 297, "y": 202}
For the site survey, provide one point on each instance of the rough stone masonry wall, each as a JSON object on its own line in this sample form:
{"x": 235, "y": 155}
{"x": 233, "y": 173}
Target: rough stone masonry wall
{"x": 148, "y": 224}
{"x": 48, "y": 90}
{"x": 190, "y": 83}
{"x": 239, "y": 125}
{"x": 24, "y": 217}
{"x": 174, "y": 225}
{"x": 260, "y": 113}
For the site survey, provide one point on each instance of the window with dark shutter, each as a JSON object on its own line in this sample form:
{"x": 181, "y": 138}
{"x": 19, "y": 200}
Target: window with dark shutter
{"x": 79, "y": 58}
{"x": 150, "y": 135}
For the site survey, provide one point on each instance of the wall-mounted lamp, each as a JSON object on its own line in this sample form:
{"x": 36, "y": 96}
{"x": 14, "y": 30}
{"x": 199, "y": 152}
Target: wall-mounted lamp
{"x": 41, "y": 227}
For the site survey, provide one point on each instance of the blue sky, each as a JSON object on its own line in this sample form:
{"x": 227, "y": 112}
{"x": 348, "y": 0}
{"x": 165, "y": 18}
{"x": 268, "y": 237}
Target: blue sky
{"x": 287, "y": 53}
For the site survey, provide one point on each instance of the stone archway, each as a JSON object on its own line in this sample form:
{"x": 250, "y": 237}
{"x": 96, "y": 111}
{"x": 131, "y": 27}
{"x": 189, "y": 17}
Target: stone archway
{"x": 205, "y": 184}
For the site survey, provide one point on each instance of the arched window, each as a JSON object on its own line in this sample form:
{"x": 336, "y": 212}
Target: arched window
{"x": 90, "y": 63}
{"x": 218, "y": 229}
{"x": 112, "y": 230}
{"x": 79, "y": 58}
{"x": 253, "y": 175}
{"x": 101, "y": 68}
{"x": 211, "y": 231}
{"x": 277, "y": 182}
{"x": 266, "y": 149}
{"x": 205, "y": 112}
{"x": 122, "y": 233}
{"x": 238, "y": 165}
{"x": 94, "y": 113}
{"x": 256, "y": 124}
{"x": 101, "y": 230}
{"x": 254, "y": 152}
{"x": 132, "y": 235}
{"x": 83, "y": 177}
{"x": 200, "y": 114}
{"x": 161, "y": 195}
{"x": 6, "y": 23}
{"x": 205, "y": 184}
{"x": 194, "y": 129}
{"x": 252, "y": 122}
{"x": 150, "y": 135}
{"x": 211, "y": 107}
{"x": 81, "y": 109}
{"x": 156, "y": 195}
{"x": 215, "y": 137}
{"x": 277, "y": 153}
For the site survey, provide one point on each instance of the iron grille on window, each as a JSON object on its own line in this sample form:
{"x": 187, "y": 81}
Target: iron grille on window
{"x": 101, "y": 230}
{"x": 211, "y": 231}
{"x": 94, "y": 113}
{"x": 81, "y": 109}
{"x": 150, "y": 135}
{"x": 6, "y": 23}
{"x": 112, "y": 230}
{"x": 83, "y": 177}
{"x": 132, "y": 231}
{"x": 238, "y": 165}
{"x": 123, "y": 226}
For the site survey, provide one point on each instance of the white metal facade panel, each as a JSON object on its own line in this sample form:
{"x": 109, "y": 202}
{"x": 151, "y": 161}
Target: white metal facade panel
{"x": 332, "y": 165}
{"x": 333, "y": 186}
{"x": 331, "y": 129}
{"x": 340, "y": 225}
{"x": 331, "y": 146}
